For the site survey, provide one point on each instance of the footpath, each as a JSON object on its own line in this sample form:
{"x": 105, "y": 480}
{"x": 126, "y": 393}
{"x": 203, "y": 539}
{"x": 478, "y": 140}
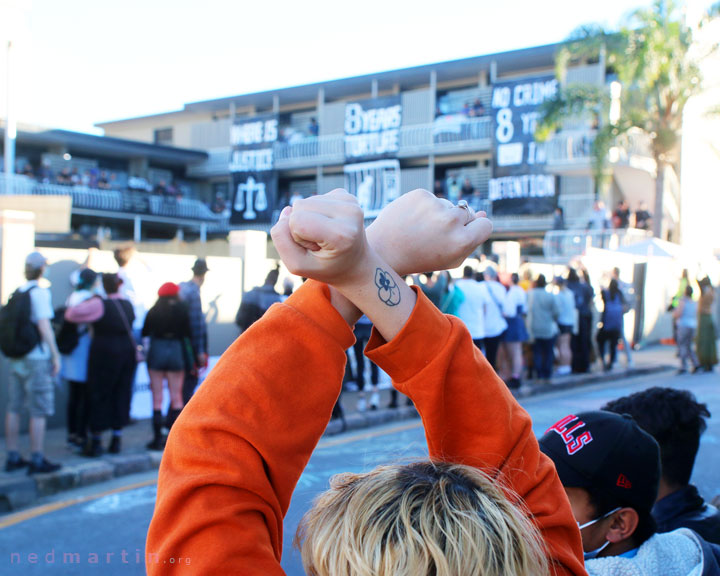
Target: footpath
{"x": 18, "y": 490}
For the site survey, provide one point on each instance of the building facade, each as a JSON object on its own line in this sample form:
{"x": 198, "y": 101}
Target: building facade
{"x": 462, "y": 128}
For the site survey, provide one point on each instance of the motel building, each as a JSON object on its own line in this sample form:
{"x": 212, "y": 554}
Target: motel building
{"x": 447, "y": 126}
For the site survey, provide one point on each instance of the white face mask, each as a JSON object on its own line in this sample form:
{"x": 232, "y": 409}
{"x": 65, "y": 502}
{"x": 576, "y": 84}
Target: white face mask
{"x": 594, "y": 553}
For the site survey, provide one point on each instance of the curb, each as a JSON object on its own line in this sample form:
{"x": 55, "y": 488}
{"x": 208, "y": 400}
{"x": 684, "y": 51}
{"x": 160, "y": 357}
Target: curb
{"x": 576, "y": 380}
{"x": 19, "y": 491}
{"x": 22, "y": 490}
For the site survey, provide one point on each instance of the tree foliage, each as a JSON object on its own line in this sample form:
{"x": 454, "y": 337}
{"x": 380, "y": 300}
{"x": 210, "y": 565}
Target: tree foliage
{"x": 650, "y": 56}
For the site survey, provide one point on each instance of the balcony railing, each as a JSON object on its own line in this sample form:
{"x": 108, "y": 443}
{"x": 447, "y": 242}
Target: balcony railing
{"x": 310, "y": 150}
{"x": 448, "y": 134}
{"x": 564, "y": 245}
{"x": 568, "y": 148}
{"x": 575, "y": 148}
{"x": 125, "y": 202}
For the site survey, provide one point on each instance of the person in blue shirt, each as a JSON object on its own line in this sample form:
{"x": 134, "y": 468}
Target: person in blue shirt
{"x": 612, "y": 324}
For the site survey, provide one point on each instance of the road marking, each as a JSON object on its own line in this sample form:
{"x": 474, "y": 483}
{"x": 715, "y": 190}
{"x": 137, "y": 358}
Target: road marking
{"x": 47, "y": 508}
{"x": 366, "y": 435}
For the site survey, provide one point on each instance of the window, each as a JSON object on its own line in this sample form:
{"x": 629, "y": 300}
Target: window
{"x": 163, "y": 136}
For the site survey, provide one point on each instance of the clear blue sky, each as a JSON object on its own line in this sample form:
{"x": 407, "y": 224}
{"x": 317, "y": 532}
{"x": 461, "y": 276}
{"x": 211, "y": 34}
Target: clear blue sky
{"x": 80, "y": 62}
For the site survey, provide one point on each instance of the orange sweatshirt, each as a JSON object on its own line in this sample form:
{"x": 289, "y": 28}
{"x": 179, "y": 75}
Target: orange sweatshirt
{"x": 237, "y": 451}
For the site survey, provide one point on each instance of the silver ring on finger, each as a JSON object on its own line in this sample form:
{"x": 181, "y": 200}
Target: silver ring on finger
{"x": 470, "y": 216}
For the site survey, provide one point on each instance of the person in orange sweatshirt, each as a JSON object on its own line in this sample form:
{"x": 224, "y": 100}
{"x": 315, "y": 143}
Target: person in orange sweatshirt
{"x": 487, "y": 502}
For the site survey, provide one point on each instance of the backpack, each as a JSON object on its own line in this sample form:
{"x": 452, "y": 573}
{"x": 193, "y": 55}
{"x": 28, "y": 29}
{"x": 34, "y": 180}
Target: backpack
{"x": 452, "y": 300}
{"x": 18, "y": 334}
{"x": 67, "y": 334}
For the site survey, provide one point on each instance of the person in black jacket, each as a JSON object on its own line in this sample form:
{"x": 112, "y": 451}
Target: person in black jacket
{"x": 676, "y": 420}
{"x": 581, "y": 343}
{"x": 111, "y": 362}
{"x": 167, "y": 324}
{"x": 255, "y": 302}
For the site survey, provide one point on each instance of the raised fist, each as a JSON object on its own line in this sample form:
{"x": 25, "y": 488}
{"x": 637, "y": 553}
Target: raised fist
{"x": 419, "y": 232}
{"x": 322, "y": 237}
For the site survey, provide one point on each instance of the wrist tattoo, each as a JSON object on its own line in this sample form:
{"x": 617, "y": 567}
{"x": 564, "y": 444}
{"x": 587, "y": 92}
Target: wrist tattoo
{"x": 388, "y": 290}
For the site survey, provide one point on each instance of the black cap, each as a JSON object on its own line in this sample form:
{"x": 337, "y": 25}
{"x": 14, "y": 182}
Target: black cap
{"x": 200, "y": 267}
{"x": 607, "y": 452}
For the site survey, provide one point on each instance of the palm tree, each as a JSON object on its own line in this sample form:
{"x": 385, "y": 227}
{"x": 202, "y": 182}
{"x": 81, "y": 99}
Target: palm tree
{"x": 652, "y": 60}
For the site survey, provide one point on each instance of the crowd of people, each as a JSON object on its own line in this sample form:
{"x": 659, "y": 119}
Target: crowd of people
{"x": 621, "y": 217}
{"x": 601, "y": 492}
{"x": 98, "y": 179}
{"x": 532, "y": 328}
{"x": 94, "y": 343}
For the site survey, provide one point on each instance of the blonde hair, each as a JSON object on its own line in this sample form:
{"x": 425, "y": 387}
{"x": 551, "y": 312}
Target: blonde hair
{"x": 425, "y": 518}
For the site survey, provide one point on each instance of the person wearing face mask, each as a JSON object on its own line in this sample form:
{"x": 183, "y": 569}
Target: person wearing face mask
{"x": 610, "y": 469}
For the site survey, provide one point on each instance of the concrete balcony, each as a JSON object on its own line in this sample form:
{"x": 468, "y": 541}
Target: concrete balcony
{"x": 126, "y": 205}
{"x": 570, "y": 153}
{"x": 309, "y": 151}
{"x": 453, "y": 134}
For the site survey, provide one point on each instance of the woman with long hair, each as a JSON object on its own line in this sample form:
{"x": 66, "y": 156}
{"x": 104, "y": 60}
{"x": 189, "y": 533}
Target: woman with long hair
{"x": 516, "y": 333}
{"x": 612, "y": 324}
{"x": 707, "y": 332}
{"x": 167, "y": 325}
{"x": 486, "y": 503}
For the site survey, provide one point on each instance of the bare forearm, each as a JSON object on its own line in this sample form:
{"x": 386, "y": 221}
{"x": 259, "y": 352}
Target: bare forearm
{"x": 381, "y": 294}
{"x": 47, "y": 336}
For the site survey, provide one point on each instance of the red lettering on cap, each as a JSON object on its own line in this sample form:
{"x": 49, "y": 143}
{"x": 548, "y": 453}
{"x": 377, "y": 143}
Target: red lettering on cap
{"x": 573, "y": 444}
{"x": 624, "y": 482}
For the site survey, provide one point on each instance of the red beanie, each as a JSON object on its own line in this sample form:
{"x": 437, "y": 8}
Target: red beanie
{"x": 168, "y": 289}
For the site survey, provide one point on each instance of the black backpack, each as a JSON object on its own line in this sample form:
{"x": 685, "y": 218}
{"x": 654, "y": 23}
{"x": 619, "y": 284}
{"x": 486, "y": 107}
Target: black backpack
{"x": 18, "y": 334}
{"x": 67, "y": 334}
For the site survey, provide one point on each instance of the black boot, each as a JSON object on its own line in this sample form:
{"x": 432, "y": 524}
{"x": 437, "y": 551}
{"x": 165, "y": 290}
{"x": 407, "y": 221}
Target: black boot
{"x": 393, "y": 398}
{"x": 115, "y": 444}
{"x": 172, "y": 415}
{"x": 339, "y": 413}
{"x": 93, "y": 448}
{"x": 158, "y": 442}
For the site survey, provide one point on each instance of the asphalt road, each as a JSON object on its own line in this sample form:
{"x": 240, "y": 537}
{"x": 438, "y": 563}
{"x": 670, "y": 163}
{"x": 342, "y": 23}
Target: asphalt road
{"x": 102, "y": 528}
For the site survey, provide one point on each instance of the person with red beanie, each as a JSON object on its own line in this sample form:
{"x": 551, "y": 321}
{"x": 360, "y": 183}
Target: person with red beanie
{"x": 167, "y": 325}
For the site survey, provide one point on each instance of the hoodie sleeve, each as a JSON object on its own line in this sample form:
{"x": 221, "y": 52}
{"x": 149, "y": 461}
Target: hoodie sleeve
{"x": 471, "y": 418}
{"x": 235, "y": 454}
